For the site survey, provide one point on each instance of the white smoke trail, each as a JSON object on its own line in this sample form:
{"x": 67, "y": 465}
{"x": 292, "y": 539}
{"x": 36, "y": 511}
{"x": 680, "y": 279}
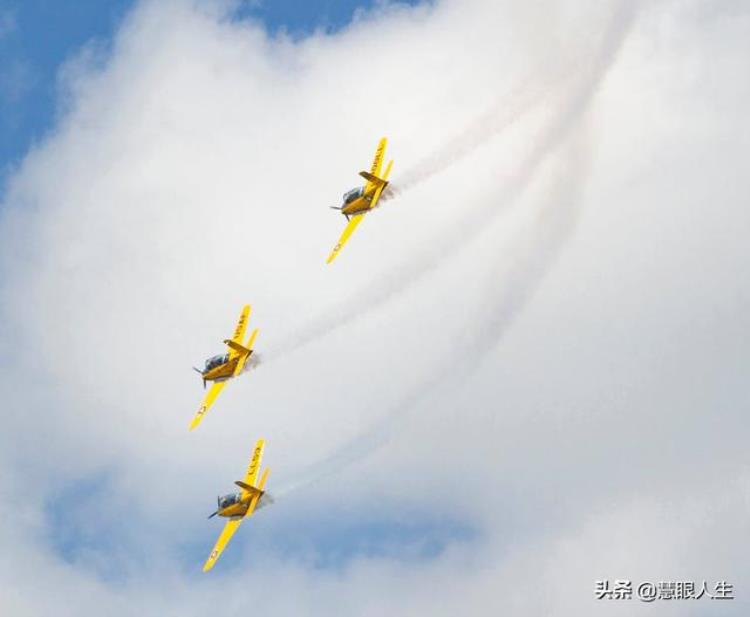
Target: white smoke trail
{"x": 536, "y": 252}
{"x": 532, "y": 255}
{"x": 452, "y": 240}
{"x": 506, "y": 113}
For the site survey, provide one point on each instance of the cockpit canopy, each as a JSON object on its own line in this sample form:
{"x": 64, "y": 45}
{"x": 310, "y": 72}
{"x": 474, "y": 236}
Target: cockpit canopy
{"x": 350, "y": 196}
{"x": 228, "y": 500}
{"x": 216, "y": 361}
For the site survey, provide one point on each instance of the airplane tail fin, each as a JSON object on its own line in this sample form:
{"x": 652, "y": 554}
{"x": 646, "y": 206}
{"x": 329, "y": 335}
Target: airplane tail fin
{"x": 244, "y": 351}
{"x": 387, "y": 173}
{"x": 251, "y": 339}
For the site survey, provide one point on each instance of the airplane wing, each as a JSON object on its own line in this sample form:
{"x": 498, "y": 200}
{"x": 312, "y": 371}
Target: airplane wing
{"x": 239, "y": 331}
{"x": 377, "y": 162}
{"x": 208, "y": 400}
{"x": 348, "y": 231}
{"x": 251, "y": 476}
{"x": 230, "y": 528}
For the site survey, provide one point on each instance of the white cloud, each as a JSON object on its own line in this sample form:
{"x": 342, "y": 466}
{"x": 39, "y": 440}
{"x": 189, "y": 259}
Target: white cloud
{"x": 573, "y": 172}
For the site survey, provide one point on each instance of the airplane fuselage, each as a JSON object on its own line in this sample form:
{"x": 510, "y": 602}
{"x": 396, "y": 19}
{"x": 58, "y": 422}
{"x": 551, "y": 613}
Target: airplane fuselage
{"x": 360, "y": 204}
{"x": 236, "y": 509}
{"x": 221, "y": 372}
{"x": 239, "y": 504}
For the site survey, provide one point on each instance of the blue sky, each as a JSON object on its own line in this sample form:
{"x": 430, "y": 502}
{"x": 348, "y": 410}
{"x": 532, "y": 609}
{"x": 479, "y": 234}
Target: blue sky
{"x": 37, "y": 36}
{"x": 332, "y": 535}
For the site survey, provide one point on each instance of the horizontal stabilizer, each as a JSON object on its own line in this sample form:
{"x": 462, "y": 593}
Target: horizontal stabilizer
{"x": 237, "y": 347}
{"x": 255, "y": 490}
{"x": 372, "y": 178}
{"x": 248, "y": 487}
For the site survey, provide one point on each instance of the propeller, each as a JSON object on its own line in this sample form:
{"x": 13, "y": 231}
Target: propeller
{"x": 218, "y": 506}
{"x": 197, "y": 370}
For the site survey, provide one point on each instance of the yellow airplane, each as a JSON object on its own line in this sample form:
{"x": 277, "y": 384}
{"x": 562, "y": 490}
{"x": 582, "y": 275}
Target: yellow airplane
{"x": 239, "y": 506}
{"x": 361, "y": 200}
{"x": 223, "y": 367}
